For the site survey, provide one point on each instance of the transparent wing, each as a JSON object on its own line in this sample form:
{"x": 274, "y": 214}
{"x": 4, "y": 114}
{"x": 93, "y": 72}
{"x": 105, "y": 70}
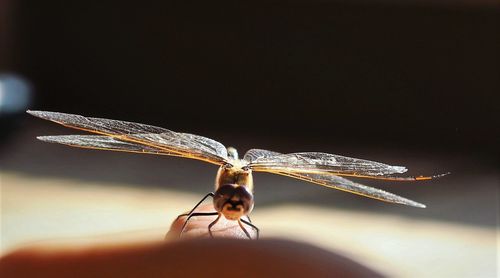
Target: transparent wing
{"x": 343, "y": 184}
{"x": 189, "y": 145}
{"x": 254, "y": 154}
{"x": 182, "y": 144}
{"x": 326, "y": 162}
{"x": 102, "y": 142}
{"x": 321, "y": 163}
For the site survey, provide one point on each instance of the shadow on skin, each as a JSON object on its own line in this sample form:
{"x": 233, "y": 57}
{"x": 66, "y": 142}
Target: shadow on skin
{"x": 195, "y": 255}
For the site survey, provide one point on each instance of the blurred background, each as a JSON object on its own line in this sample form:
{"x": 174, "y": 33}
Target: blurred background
{"x": 411, "y": 83}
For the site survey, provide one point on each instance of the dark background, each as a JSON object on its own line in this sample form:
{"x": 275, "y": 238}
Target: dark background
{"x": 413, "y": 74}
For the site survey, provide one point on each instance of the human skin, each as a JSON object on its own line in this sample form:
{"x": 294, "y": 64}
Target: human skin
{"x": 194, "y": 255}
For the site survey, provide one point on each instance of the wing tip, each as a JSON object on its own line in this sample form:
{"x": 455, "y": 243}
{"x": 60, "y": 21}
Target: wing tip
{"x": 33, "y": 112}
{"x": 408, "y": 202}
{"x": 419, "y": 205}
{"x": 61, "y": 139}
{"x": 45, "y": 138}
{"x": 42, "y": 114}
{"x": 412, "y": 203}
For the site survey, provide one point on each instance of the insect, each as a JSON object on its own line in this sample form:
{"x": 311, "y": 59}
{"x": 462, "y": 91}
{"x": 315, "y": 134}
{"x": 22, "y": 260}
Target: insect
{"x": 233, "y": 195}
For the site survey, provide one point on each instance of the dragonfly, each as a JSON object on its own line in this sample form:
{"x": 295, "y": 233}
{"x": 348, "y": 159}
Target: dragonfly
{"x": 233, "y": 196}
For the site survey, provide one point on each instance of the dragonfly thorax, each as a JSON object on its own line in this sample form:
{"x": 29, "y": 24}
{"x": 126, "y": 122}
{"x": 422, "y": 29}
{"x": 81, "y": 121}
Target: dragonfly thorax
{"x": 235, "y": 172}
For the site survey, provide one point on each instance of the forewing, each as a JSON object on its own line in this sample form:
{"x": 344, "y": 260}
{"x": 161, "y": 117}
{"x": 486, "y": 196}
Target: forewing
{"x": 189, "y": 145}
{"x": 102, "y": 142}
{"x": 98, "y": 125}
{"x": 183, "y": 144}
{"x": 343, "y": 184}
{"x": 254, "y": 154}
{"x": 315, "y": 162}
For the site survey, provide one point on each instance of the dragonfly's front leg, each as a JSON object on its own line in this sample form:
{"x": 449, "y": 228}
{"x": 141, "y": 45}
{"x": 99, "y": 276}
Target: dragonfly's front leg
{"x": 243, "y": 228}
{"x": 251, "y": 225}
{"x": 211, "y": 194}
{"x": 200, "y": 214}
{"x": 213, "y": 223}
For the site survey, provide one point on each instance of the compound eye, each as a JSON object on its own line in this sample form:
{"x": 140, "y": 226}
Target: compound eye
{"x": 244, "y": 194}
{"x": 228, "y": 166}
{"x": 226, "y": 190}
{"x": 245, "y": 168}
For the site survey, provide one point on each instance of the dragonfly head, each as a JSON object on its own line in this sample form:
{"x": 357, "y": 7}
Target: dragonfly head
{"x": 233, "y": 201}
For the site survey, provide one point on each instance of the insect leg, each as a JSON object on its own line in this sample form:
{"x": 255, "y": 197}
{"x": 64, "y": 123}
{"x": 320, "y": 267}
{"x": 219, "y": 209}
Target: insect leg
{"x": 243, "y": 228}
{"x": 213, "y": 223}
{"x": 251, "y": 225}
{"x": 197, "y": 214}
{"x": 211, "y": 194}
